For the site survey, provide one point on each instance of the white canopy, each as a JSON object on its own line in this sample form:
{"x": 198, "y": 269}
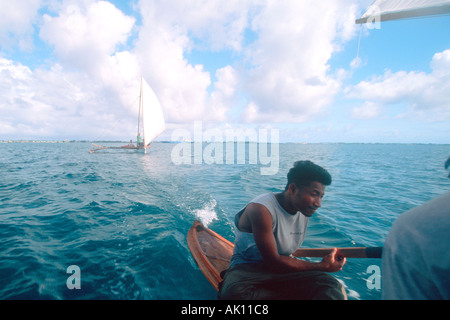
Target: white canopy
{"x": 384, "y": 10}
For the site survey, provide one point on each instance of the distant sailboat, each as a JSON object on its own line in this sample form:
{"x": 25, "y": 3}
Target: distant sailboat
{"x": 385, "y": 10}
{"x": 151, "y": 121}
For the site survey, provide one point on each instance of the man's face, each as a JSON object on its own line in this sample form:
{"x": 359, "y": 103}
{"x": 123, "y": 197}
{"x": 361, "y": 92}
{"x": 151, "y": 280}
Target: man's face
{"x": 308, "y": 199}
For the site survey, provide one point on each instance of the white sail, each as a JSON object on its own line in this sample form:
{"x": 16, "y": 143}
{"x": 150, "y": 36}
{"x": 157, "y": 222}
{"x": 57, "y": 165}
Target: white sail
{"x": 153, "y": 123}
{"x": 384, "y": 10}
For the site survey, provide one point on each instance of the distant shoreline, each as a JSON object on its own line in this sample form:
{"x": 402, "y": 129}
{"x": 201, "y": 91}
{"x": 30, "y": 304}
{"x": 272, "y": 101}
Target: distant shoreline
{"x": 164, "y": 141}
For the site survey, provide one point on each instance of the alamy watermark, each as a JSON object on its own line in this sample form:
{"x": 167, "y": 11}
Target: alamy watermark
{"x": 74, "y": 281}
{"x": 374, "y": 280}
{"x": 231, "y": 146}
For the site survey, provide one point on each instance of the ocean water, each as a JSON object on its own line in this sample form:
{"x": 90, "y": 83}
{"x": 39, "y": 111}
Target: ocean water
{"x": 122, "y": 217}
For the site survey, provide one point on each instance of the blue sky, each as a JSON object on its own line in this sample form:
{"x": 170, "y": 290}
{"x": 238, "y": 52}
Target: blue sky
{"x": 70, "y": 70}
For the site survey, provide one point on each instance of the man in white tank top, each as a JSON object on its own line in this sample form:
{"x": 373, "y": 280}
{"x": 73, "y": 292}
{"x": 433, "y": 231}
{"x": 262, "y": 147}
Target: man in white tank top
{"x": 269, "y": 229}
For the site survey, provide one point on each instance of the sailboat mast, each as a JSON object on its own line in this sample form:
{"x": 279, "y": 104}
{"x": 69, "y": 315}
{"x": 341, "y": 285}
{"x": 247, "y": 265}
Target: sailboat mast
{"x": 139, "y": 113}
{"x": 142, "y": 103}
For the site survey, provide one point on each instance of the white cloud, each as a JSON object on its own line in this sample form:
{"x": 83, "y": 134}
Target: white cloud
{"x": 286, "y": 74}
{"x": 391, "y": 87}
{"x": 368, "y": 110}
{"x": 16, "y": 23}
{"x": 84, "y": 35}
{"x": 224, "y": 93}
{"x": 164, "y": 40}
{"x": 85, "y": 95}
{"x": 290, "y": 80}
{"x": 356, "y": 63}
{"x": 56, "y": 103}
{"x": 441, "y": 63}
{"x": 213, "y": 24}
{"x": 426, "y": 94}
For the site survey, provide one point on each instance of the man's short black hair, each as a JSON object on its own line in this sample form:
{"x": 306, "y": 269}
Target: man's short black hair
{"x": 304, "y": 172}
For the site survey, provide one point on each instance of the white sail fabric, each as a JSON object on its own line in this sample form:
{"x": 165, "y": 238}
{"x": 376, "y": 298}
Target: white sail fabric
{"x": 153, "y": 123}
{"x": 384, "y": 10}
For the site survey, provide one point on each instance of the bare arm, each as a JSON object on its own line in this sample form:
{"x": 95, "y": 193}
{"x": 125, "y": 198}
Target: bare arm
{"x": 259, "y": 222}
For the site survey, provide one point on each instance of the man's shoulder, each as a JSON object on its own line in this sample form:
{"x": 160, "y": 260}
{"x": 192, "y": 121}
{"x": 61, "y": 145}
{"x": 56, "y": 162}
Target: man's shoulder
{"x": 432, "y": 212}
{"x": 263, "y": 197}
{"x": 422, "y": 222}
{"x": 256, "y": 208}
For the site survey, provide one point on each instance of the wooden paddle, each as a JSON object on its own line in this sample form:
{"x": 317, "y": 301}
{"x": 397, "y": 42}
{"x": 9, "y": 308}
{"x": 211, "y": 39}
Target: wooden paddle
{"x": 359, "y": 252}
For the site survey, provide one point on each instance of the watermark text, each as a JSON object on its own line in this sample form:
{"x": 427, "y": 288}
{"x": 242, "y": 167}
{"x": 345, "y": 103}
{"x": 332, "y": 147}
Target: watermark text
{"x": 234, "y": 146}
{"x": 74, "y": 281}
{"x": 374, "y": 280}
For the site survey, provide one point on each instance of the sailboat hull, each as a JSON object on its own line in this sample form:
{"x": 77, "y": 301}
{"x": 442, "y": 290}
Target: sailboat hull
{"x": 96, "y": 147}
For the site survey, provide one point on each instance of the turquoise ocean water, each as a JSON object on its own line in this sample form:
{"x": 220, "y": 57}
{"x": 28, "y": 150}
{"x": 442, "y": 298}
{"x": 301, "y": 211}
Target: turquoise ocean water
{"x": 122, "y": 217}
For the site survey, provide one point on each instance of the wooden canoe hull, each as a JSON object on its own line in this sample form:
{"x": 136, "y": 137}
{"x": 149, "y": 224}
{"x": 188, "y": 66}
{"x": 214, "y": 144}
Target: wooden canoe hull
{"x": 211, "y": 251}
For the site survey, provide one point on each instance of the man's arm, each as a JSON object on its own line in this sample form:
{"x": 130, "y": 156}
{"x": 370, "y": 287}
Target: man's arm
{"x": 260, "y": 221}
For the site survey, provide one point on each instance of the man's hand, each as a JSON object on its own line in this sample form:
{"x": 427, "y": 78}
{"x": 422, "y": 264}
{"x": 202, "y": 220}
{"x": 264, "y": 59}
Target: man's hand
{"x": 332, "y": 262}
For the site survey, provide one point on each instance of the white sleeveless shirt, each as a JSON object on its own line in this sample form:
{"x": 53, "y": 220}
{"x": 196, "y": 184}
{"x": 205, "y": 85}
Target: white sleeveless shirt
{"x": 289, "y": 231}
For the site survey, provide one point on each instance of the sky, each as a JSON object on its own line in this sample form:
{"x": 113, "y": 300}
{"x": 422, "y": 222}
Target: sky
{"x": 70, "y": 69}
